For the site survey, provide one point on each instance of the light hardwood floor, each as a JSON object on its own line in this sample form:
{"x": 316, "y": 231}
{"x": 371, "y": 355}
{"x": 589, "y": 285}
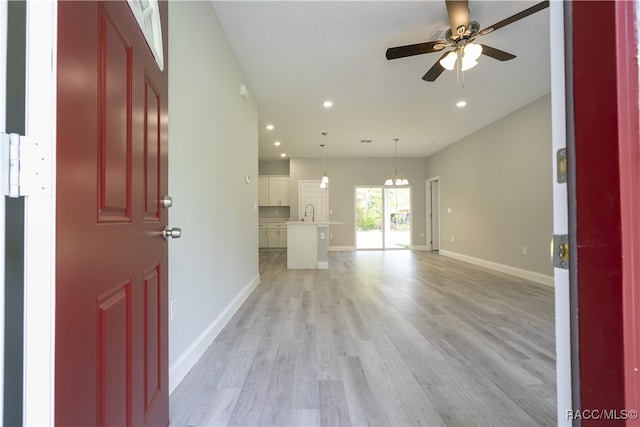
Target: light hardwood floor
{"x": 393, "y": 338}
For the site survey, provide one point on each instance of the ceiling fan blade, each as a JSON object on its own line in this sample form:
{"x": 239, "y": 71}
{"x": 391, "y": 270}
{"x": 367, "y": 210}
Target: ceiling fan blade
{"x": 530, "y": 11}
{"x": 435, "y": 71}
{"x": 458, "y": 12}
{"x": 498, "y": 54}
{"x": 414, "y": 49}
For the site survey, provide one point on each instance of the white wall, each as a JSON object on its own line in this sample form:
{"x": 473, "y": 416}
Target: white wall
{"x": 498, "y": 184}
{"x": 213, "y": 144}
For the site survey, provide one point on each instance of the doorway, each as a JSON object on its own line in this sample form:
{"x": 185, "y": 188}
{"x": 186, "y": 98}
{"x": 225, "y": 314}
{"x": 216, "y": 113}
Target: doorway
{"x": 383, "y": 217}
{"x": 433, "y": 213}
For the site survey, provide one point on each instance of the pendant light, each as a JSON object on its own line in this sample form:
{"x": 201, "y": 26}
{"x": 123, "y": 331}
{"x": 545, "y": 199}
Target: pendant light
{"x": 325, "y": 178}
{"x": 396, "y": 179}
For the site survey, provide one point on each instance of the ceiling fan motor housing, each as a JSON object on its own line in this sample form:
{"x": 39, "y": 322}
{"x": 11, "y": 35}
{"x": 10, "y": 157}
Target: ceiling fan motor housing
{"x": 463, "y": 33}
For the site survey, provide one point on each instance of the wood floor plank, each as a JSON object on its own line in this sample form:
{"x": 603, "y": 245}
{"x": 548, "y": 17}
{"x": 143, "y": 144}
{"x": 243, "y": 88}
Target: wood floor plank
{"x": 279, "y": 393}
{"x": 333, "y": 404}
{"x": 364, "y": 409}
{"x": 385, "y": 338}
{"x": 306, "y": 375}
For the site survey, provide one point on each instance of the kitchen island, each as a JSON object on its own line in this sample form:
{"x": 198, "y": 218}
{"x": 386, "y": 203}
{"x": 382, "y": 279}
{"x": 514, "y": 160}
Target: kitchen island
{"x": 307, "y": 244}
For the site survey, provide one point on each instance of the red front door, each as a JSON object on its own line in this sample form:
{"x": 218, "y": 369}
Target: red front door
{"x": 111, "y": 270}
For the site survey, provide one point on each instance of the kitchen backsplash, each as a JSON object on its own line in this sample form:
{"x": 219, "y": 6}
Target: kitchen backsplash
{"x": 274, "y": 212}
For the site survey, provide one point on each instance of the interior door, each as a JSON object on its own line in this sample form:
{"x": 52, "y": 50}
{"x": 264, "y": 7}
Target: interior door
{"x": 111, "y": 364}
{"x": 435, "y": 215}
{"x": 310, "y": 194}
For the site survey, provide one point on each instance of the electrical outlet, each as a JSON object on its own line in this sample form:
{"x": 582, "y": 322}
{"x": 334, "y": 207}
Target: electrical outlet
{"x": 322, "y": 235}
{"x": 524, "y": 250}
{"x": 453, "y": 239}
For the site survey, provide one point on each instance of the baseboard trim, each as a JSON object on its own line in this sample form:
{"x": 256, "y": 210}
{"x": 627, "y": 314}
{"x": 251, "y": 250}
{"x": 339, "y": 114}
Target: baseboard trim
{"x": 341, "y": 248}
{"x": 181, "y": 367}
{"x": 542, "y": 279}
{"x": 323, "y": 265}
{"x": 420, "y": 248}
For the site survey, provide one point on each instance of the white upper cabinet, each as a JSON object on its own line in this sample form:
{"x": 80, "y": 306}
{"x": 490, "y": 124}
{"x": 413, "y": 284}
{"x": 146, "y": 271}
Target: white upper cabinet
{"x": 273, "y": 191}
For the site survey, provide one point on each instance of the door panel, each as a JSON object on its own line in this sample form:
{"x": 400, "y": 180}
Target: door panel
{"x": 111, "y": 295}
{"x": 114, "y": 353}
{"x": 114, "y": 156}
{"x": 310, "y": 193}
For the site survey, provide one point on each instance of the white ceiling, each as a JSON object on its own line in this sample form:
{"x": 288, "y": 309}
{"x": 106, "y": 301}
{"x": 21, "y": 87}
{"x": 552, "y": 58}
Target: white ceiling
{"x": 296, "y": 54}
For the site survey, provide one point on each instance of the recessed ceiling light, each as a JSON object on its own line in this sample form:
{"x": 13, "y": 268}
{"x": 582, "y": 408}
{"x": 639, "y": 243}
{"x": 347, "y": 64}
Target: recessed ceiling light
{"x": 461, "y": 104}
{"x": 277, "y": 143}
{"x": 283, "y": 154}
{"x": 327, "y": 104}
{"x": 269, "y": 127}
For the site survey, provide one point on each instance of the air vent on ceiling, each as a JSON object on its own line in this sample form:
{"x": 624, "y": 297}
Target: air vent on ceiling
{"x": 365, "y": 141}
{"x": 438, "y": 34}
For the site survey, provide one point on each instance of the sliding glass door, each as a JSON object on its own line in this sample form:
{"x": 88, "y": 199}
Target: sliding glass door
{"x": 383, "y": 217}
{"x": 397, "y": 217}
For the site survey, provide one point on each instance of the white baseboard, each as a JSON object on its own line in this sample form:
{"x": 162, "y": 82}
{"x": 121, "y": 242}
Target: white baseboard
{"x": 341, "y": 248}
{"x": 181, "y": 367}
{"x": 420, "y": 248}
{"x": 323, "y": 265}
{"x": 542, "y": 279}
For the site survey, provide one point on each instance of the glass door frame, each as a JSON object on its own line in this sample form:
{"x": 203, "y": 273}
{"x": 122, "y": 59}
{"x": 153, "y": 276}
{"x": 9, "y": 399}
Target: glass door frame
{"x": 383, "y": 188}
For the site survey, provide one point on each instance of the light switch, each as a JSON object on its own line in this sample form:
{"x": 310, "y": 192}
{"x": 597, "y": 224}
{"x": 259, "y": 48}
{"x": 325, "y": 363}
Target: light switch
{"x": 322, "y": 235}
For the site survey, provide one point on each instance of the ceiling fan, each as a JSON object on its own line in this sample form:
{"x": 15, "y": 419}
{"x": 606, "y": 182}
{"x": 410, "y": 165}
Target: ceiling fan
{"x": 461, "y": 36}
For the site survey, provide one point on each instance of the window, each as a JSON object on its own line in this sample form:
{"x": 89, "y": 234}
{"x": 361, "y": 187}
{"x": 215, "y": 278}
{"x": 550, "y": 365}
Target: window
{"x": 148, "y": 17}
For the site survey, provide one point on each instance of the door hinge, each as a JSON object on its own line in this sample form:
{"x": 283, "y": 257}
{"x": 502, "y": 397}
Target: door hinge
{"x": 561, "y": 166}
{"x": 560, "y": 251}
{"x": 28, "y": 168}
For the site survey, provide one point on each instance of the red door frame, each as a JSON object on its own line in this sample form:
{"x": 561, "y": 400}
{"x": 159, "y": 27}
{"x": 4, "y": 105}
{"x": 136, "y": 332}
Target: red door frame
{"x": 607, "y": 201}
{"x": 629, "y": 143}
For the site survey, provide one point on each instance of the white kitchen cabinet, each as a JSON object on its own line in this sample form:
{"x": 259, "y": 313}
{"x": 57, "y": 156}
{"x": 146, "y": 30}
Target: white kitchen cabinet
{"x": 273, "y": 190}
{"x": 282, "y": 184}
{"x": 277, "y": 235}
{"x": 263, "y": 241}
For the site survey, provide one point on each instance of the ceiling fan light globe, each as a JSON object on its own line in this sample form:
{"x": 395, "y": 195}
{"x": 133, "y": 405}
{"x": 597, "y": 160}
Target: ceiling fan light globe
{"x": 449, "y": 61}
{"x": 404, "y": 181}
{"x": 325, "y": 179}
{"x": 472, "y": 52}
{"x": 323, "y": 185}
{"x": 388, "y": 181}
{"x": 468, "y": 64}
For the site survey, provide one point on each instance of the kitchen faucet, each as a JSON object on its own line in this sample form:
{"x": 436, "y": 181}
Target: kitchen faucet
{"x": 313, "y": 212}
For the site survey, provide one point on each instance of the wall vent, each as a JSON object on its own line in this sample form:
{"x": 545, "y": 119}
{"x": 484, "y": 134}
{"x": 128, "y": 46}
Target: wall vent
{"x": 438, "y": 34}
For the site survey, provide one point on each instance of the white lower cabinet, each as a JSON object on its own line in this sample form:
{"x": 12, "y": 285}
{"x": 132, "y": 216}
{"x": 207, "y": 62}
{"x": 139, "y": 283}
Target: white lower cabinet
{"x": 272, "y": 235}
{"x": 262, "y": 235}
